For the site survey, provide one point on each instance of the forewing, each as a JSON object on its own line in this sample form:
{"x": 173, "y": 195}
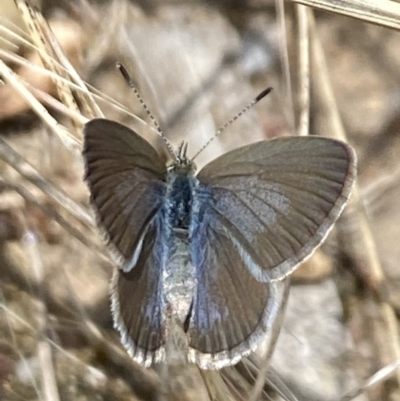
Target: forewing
{"x": 126, "y": 180}
{"x": 278, "y": 199}
{"x": 232, "y": 311}
{"x": 137, "y": 302}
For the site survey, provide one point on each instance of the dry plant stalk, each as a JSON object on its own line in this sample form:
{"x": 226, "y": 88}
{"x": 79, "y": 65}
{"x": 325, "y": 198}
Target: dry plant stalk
{"x": 381, "y": 12}
{"x": 51, "y": 55}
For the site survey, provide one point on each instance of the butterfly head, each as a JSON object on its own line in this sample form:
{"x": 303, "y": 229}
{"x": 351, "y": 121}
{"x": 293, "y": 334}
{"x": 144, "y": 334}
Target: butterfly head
{"x": 182, "y": 164}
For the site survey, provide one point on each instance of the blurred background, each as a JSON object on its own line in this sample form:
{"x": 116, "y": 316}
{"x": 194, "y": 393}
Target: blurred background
{"x": 196, "y": 65}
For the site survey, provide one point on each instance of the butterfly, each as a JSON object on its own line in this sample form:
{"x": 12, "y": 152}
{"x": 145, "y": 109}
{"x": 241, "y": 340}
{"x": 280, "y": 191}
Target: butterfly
{"x": 209, "y": 248}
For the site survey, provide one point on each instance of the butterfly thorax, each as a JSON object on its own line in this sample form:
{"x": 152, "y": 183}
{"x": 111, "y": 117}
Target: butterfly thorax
{"x": 180, "y": 186}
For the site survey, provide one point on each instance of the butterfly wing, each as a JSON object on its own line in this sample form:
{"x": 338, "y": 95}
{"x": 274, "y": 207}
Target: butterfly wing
{"x": 137, "y": 304}
{"x": 232, "y": 311}
{"x": 279, "y": 199}
{"x": 260, "y": 211}
{"x": 126, "y": 177}
{"x": 126, "y": 180}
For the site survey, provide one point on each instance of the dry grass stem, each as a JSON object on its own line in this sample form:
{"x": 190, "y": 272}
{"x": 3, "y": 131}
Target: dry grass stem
{"x": 57, "y": 216}
{"x": 304, "y": 71}
{"x": 69, "y": 140}
{"x": 45, "y": 359}
{"x": 381, "y": 12}
{"x": 14, "y": 159}
{"x": 35, "y": 24}
{"x": 284, "y": 57}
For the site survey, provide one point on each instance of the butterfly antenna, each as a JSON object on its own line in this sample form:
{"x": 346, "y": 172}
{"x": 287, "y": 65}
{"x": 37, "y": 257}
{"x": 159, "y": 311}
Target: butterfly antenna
{"x": 132, "y": 85}
{"x": 232, "y": 120}
{"x": 182, "y": 151}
